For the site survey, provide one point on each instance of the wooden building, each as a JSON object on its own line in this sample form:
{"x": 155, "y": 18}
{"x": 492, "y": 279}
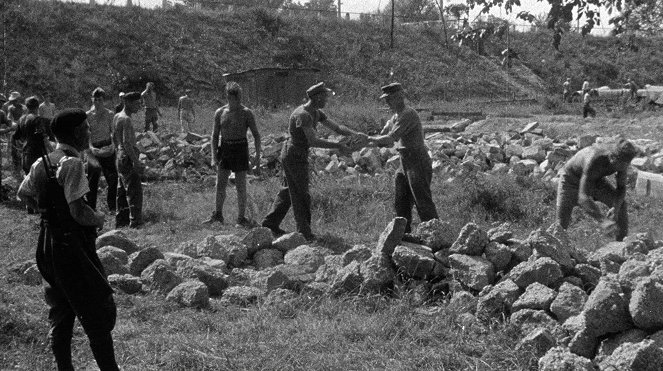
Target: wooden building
{"x": 273, "y": 87}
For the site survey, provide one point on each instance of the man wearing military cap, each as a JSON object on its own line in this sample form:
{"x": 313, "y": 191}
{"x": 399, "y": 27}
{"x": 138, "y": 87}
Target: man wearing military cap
{"x": 294, "y": 159}
{"x": 101, "y": 155}
{"x": 130, "y": 190}
{"x": 66, "y": 255}
{"x": 413, "y": 177}
{"x": 582, "y": 182}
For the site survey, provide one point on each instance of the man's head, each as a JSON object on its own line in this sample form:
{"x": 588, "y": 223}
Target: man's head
{"x": 132, "y": 102}
{"x": 568, "y": 79}
{"x": 625, "y": 151}
{"x": 98, "y": 96}
{"x": 318, "y": 94}
{"x": 14, "y": 96}
{"x": 149, "y": 85}
{"x": 32, "y": 103}
{"x": 233, "y": 92}
{"x": 393, "y": 95}
{"x": 71, "y": 127}
{"x": 187, "y": 91}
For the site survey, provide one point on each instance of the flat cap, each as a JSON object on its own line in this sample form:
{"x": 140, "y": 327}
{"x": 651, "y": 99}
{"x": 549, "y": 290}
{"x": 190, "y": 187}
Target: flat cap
{"x": 14, "y": 95}
{"x": 317, "y": 89}
{"x": 132, "y": 96}
{"x": 67, "y": 120}
{"x": 390, "y": 89}
{"x": 98, "y": 92}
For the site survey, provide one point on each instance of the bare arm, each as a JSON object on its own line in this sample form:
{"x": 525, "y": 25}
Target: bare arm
{"x": 587, "y": 187}
{"x": 129, "y": 140}
{"x": 216, "y": 129}
{"x": 314, "y": 141}
{"x": 84, "y": 215}
{"x": 339, "y": 129}
{"x": 256, "y": 135}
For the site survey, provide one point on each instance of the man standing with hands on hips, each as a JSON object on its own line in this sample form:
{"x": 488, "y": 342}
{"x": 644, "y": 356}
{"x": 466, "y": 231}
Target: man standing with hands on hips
{"x": 413, "y": 178}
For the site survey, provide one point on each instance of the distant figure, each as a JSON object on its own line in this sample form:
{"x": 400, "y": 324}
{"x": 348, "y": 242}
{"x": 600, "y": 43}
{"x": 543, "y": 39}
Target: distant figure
{"x": 15, "y": 110}
{"x": 34, "y": 132}
{"x": 507, "y": 55}
{"x": 414, "y": 176}
{"x": 66, "y": 256}
{"x": 585, "y": 87}
{"x": 633, "y": 89}
{"x": 567, "y": 90}
{"x": 587, "y": 109}
{"x": 5, "y": 128}
{"x": 120, "y": 106}
{"x": 47, "y": 108}
{"x": 130, "y": 190}
{"x": 152, "y": 111}
{"x": 186, "y": 111}
{"x": 582, "y": 182}
{"x": 101, "y": 154}
{"x": 230, "y": 151}
{"x": 557, "y": 37}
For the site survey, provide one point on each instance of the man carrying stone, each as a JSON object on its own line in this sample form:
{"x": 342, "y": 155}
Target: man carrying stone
{"x": 230, "y": 151}
{"x": 152, "y": 111}
{"x": 186, "y": 111}
{"x": 101, "y": 155}
{"x": 66, "y": 255}
{"x": 413, "y": 178}
{"x": 582, "y": 182}
{"x": 294, "y": 159}
{"x": 129, "y": 189}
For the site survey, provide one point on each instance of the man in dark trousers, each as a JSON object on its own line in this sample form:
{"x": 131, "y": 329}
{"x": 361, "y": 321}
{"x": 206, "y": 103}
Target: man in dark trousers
{"x": 66, "y": 255}
{"x": 101, "y": 155}
{"x": 230, "y": 151}
{"x": 415, "y": 173}
{"x": 129, "y": 167}
{"x": 34, "y": 132}
{"x": 294, "y": 159}
{"x": 582, "y": 181}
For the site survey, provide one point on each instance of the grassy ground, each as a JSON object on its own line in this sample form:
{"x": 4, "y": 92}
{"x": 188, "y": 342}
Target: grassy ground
{"x": 412, "y": 330}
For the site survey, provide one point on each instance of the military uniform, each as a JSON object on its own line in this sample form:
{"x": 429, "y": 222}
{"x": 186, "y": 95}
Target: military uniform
{"x": 67, "y": 259}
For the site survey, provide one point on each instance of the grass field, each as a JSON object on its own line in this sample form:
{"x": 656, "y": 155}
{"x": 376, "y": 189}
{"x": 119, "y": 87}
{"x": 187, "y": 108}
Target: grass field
{"x": 414, "y": 329}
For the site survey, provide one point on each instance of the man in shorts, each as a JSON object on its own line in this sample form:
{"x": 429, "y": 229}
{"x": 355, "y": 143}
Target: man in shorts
{"x": 152, "y": 112}
{"x": 230, "y": 151}
{"x": 186, "y": 111}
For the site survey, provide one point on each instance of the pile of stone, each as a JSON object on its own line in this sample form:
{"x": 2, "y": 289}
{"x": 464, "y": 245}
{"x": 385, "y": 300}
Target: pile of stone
{"x": 576, "y": 310}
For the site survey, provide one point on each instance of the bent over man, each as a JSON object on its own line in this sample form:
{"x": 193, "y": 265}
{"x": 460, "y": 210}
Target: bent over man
{"x": 413, "y": 177}
{"x": 231, "y": 153}
{"x": 294, "y": 159}
{"x": 66, "y": 254}
{"x": 582, "y": 181}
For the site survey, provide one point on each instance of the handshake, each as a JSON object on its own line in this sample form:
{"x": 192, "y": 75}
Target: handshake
{"x": 354, "y": 142}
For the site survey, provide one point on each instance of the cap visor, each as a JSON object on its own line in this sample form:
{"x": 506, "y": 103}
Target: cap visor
{"x": 384, "y": 96}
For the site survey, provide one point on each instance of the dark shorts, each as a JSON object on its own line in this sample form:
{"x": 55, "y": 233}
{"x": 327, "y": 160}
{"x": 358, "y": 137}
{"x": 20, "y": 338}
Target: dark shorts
{"x": 151, "y": 115}
{"x": 234, "y": 155}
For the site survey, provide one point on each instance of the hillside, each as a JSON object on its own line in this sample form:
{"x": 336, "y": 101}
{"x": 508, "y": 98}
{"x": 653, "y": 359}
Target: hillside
{"x": 71, "y": 48}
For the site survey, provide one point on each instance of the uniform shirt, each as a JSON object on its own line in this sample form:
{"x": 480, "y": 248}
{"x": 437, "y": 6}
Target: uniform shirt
{"x": 15, "y": 111}
{"x": 566, "y": 86}
{"x": 233, "y": 124}
{"x": 150, "y": 99}
{"x": 70, "y": 175}
{"x": 33, "y": 130}
{"x": 302, "y": 118}
{"x": 405, "y": 128}
{"x": 101, "y": 124}
{"x": 47, "y": 110}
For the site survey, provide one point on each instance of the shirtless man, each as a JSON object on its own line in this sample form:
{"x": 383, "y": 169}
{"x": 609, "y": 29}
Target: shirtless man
{"x": 186, "y": 112}
{"x": 582, "y": 182}
{"x": 152, "y": 112}
{"x": 566, "y": 86}
{"x": 231, "y": 152}
{"x": 129, "y": 190}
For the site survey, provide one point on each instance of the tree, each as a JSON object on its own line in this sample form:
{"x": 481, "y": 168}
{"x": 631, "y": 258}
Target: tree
{"x": 641, "y": 17}
{"x": 222, "y": 4}
{"x": 414, "y": 10}
{"x": 458, "y": 11}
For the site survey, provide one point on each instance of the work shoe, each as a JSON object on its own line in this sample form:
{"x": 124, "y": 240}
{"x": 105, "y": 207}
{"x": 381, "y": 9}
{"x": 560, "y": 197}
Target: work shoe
{"x": 214, "y": 219}
{"x": 276, "y": 231}
{"x": 245, "y": 223}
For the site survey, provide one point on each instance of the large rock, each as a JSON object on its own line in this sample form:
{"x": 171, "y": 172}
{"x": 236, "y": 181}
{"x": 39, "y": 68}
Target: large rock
{"x": 539, "y": 341}
{"x": 118, "y": 253}
{"x": 473, "y": 271}
{"x": 435, "y": 234}
{"x": 348, "y": 279}
{"x": 606, "y": 311}
{"x": 631, "y": 271}
{"x": 118, "y": 239}
{"x": 327, "y": 271}
{"x": 642, "y": 356}
{"x": 142, "y": 259}
{"x": 528, "y": 320}
{"x": 569, "y": 301}
{"x": 609, "y": 345}
{"x": 536, "y": 296}
{"x": 498, "y": 300}
{"x": 413, "y": 260}
{"x": 520, "y": 250}
{"x": 617, "y": 252}
{"x": 289, "y": 241}
{"x": 561, "y": 359}
{"x": 498, "y": 254}
{"x": 463, "y": 302}
{"x": 126, "y": 283}
{"x": 542, "y": 270}
{"x": 644, "y": 305}
{"x": 111, "y": 264}
{"x": 257, "y": 239}
{"x": 215, "y": 279}
{"x": 174, "y": 258}
{"x": 391, "y": 236}
{"x": 471, "y": 241}
{"x": 378, "y": 274}
{"x": 267, "y": 258}
{"x": 298, "y": 275}
{"x": 159, "y": 277}
{"x": 358, "y": 253}
{"x": 269, "y": 280}
{"x": 311, "y": 257}
{"x": 190, "y": 294}
{"x": 546, "y": 245}
{"x": 500, "y": 234}
{"x": 589, "y": 274}
{"x": 228, "y": 248}
{"x": 243, "y": 295}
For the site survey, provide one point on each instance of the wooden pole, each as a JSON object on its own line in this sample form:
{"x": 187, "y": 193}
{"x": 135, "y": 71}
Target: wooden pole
{"x": 440, "y": 5}
{"x": 393, "y": 13}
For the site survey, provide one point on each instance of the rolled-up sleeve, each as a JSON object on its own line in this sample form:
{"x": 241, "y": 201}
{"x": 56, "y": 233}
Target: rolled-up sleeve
{"x": 71, "y": 176}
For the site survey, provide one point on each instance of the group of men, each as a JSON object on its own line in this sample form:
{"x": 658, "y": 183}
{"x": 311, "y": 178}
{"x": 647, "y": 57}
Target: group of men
{"x": 57, "y": 187}
{"x": 588, "y": 94}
